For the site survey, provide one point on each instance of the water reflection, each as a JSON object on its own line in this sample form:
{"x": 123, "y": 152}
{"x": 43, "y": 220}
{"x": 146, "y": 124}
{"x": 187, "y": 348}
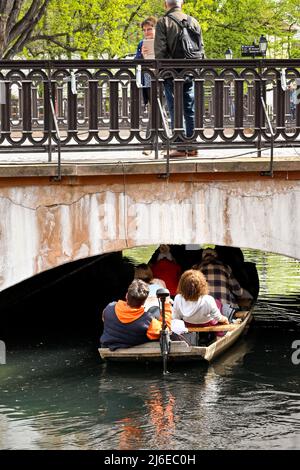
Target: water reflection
{"x": 159, "y": 409}
{"x": 110, "y": 406}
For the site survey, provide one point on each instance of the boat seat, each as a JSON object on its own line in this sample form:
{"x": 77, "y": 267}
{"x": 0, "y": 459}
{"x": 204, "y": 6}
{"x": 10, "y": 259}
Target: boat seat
{"x": 240, "y": 316}
{"x": 209, "y": 329}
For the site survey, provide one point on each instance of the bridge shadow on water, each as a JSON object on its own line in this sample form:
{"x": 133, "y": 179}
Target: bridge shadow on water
{"x": 65, "y": 302}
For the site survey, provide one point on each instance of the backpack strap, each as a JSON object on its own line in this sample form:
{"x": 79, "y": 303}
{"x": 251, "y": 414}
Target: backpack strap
{"x": 177, "y": 21}
{"x": 188, "y": 20}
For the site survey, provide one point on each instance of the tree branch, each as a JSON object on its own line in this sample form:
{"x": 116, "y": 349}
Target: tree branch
{"x": 13, "y": 15}
{"x": 58, "y": 43}
{"x": 29, "y": 20}
{"x": 25, "y": 34}
{"x": 6, "y": 7}
{"x": 132, "y": 16}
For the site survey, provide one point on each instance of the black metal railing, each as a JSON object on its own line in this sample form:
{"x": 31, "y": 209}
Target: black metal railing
{"x": 98, "y": 105}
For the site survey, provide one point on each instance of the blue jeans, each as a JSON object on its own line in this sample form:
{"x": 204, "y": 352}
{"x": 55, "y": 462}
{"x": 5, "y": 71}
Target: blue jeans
{"x": 188, "y": 104}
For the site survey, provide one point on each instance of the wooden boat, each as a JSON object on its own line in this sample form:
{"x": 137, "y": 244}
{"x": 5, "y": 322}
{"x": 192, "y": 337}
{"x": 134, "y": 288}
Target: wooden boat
{"x": 180, "y": 350}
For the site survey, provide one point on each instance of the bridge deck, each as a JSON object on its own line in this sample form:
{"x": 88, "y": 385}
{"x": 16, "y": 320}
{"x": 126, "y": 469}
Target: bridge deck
{"x": 87, "y": 163}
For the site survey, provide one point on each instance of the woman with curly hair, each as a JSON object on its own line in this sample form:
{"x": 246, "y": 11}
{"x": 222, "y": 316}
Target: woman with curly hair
{"x": 193, "y": 305}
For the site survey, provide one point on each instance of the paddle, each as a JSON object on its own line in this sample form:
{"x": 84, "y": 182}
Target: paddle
{"x": 162, "y": 294}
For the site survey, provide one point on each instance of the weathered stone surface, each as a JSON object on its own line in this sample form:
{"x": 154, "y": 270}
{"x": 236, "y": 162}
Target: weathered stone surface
{"x": 44, "y": 224}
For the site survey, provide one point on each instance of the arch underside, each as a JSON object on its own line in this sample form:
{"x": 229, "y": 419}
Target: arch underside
{"x": 44, "y": 227}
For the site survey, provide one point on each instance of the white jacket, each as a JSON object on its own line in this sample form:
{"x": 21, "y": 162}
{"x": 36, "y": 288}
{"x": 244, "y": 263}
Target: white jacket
{"x": 199, "y": 311}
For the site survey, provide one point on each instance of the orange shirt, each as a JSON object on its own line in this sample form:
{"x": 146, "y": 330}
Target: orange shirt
{"x": 127, "y": 314}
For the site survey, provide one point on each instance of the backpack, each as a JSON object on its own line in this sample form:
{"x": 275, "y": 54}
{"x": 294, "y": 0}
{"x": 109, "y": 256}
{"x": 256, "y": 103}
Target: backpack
{"x": 189, "y": 43}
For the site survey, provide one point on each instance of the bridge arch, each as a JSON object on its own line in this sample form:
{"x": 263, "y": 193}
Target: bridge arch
{"x": 45, "y": 224}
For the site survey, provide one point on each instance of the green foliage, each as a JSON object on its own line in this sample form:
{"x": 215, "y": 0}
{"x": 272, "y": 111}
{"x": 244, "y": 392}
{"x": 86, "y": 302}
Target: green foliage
{"x": 92, "y": 28}
{"x": 232, "y": 23}
{"x": 111, "y": 28}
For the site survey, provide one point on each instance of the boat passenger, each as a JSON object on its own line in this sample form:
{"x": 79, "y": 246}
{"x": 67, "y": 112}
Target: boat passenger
{"x": 193, "y": 305}
{"x": 144, "y": 272}
{"x": 126, "y": 323}
{"x": 167, "y": 269}
{"x": 244, "y": 271}
{"x": 222, "y": 284}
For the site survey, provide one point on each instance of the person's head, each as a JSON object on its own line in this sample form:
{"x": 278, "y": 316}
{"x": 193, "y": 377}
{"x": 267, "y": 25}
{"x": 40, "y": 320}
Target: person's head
{"x": 164, "y": 249}
{"x": 143, "y": 272}
{"x": 165, "y": 252}
{"x": 148, "y": 27}
{"x": 192, "y": 285}
{"x": 209, "y": 254}
{"x": 137, "y": 293}
{"x": 173, "y": 3}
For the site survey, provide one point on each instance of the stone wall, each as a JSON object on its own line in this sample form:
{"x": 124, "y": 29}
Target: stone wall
{"x": 44, "y": 225}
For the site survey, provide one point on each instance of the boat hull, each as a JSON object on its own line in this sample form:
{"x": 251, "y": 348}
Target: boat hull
{"x": 180, "y": 351}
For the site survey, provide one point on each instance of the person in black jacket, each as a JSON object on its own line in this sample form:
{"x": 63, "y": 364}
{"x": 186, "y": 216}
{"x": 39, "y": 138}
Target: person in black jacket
{"x": 166, "y": 38}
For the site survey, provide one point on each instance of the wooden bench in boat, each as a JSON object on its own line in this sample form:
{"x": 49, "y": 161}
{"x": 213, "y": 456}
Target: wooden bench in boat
{"x": 226, "y": 327}
{"x": 208, "y": 329}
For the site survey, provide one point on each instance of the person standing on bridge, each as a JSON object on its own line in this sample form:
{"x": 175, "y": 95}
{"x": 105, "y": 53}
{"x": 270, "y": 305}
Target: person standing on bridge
{"x": 144, "y": 52}
{"x": 167, "y": 37}
{"x": 148, "y": 27}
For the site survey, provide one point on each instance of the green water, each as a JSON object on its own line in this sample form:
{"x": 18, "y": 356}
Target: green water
{"x": 141, "y": 254}
{"x": 279, "y": 275}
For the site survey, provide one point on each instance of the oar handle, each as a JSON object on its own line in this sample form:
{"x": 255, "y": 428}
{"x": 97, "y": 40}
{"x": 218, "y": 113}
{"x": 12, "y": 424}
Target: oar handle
{"x": 162, "y": 294}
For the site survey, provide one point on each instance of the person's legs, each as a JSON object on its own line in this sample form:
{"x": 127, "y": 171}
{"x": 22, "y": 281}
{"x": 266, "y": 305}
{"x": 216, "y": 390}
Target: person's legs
{"x": 169, "y": 94}
{"x": 293, "y": 111}
{"x": 146, "y": 98}
{"x": 189, "y": 107}
{"x": 188, "y": 104}
{"x": 189, "y": 112}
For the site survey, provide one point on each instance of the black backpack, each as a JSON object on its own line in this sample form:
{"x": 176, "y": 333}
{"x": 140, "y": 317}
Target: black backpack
{"x": 189, "y": 42}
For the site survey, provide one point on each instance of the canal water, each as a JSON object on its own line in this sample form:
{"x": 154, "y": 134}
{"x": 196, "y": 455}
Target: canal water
{"x": 60, "y": 396}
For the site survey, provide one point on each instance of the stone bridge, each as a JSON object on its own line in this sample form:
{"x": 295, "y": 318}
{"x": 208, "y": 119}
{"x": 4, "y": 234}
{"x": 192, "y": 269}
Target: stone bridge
{"x": 104, "y": 207}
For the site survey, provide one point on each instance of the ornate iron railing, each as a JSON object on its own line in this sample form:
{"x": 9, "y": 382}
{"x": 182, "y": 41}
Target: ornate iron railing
{"x": 106, "y": 109}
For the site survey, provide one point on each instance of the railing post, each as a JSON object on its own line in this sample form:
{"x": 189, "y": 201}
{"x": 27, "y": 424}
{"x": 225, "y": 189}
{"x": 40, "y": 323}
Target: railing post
{"x": 53, "y": 118}
{"x": 270, "y": 171}
{"x": 154, "y": 95}
{"x": 258, "y": 109}
{"x": 114, "y": 110}
{"x": 48, "y": 111}
{"x": 5, "y": 108}
{"x": 239, "y": 104}
{"x": 199, "y": 105}
{"x": 219, "y": 87}
{"x": 93, "y": 106}
{"x": 26, "y": 111}
{"x": 72, "y": 111}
